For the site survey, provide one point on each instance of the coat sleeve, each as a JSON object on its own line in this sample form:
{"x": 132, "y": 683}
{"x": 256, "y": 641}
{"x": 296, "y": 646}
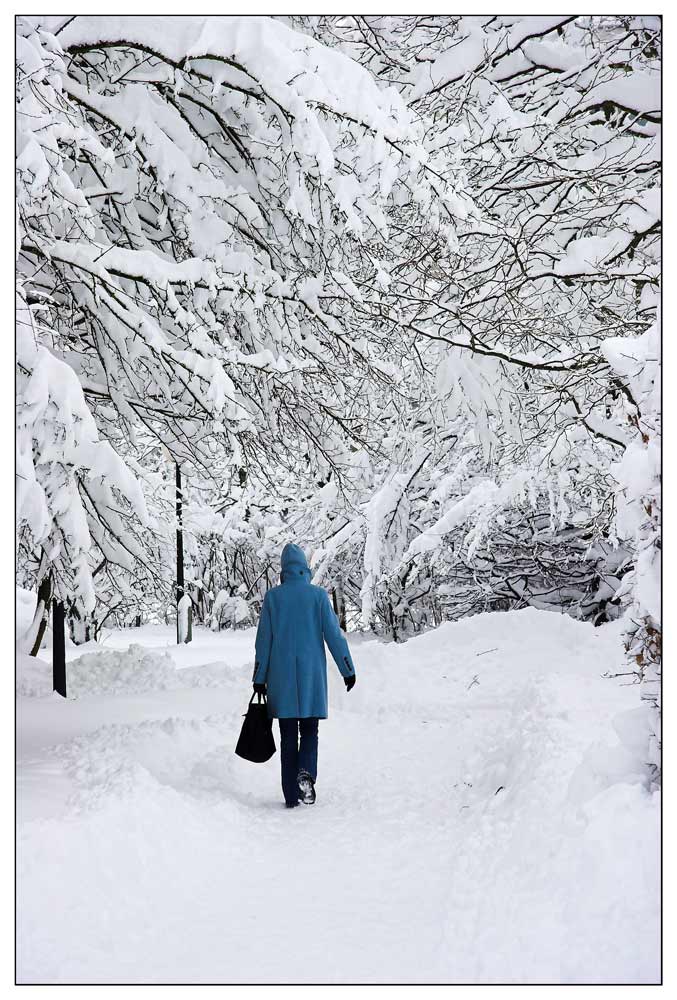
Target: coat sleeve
{"x": 335, "y": 639}
{"x": 264, "y": 644}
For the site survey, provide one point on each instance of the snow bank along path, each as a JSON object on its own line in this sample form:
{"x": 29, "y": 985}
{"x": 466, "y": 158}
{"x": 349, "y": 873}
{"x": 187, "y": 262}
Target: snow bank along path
{"x": 481, "y": 817}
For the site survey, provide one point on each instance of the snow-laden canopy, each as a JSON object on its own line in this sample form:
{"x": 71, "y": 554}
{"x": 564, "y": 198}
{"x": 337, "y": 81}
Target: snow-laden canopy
{"x": 373, "y": 282}
{"x": 193, "y": 197}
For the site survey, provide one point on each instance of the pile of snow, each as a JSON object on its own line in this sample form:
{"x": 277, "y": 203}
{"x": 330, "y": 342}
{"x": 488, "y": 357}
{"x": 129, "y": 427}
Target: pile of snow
{"x": 129, "y": 671}
{"x": 116, "y": 762}
{"x": 33, "y": 675}
{"x": 134, "y": 670}
{"x": 25, "y": 609}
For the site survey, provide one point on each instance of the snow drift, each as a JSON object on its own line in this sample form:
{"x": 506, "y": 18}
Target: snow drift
{"x": 483, "y": 816}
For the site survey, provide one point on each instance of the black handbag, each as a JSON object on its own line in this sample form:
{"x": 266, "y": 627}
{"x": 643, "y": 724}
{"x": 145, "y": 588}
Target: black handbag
{"x": 256, "y": 742}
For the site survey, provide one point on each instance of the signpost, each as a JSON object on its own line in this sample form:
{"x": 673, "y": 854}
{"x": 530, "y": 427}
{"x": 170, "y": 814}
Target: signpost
{"x": 184, "y": 615}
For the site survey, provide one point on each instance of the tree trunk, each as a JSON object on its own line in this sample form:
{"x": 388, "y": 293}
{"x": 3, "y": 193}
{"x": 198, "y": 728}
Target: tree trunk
{"x": 79, "y": 627}
{"x": 184, "y": 620}
{"x": 339, "y": 601}
{"x": 392, "y": 620}
{"x": 41, "y": 616}
{"x": 59, "y": 648}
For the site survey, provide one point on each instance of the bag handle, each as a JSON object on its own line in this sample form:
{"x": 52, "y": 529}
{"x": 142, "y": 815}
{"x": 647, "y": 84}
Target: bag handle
{"x": 261, "y": 701}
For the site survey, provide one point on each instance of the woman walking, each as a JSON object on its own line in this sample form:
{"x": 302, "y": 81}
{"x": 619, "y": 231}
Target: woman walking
{"x": 291, "y": 668}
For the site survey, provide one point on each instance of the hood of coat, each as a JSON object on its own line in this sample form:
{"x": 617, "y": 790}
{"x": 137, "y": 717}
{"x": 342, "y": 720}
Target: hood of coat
{"x": 293, "y": 564}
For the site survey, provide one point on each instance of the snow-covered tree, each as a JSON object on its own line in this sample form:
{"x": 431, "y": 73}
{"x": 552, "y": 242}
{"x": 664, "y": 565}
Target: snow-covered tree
{"x": 636, "y": 361}
{"x": 193, "y": 197}
{"x": 383, "y": 285}
{"x": 555, "y": 121}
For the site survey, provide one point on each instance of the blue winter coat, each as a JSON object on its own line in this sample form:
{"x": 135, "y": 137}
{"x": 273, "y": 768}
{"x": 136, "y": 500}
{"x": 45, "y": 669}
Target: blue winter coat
{"x": 296, "y": 621}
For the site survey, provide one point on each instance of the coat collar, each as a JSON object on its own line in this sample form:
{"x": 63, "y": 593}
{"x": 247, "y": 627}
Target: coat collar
{"x": 295, "y": 576}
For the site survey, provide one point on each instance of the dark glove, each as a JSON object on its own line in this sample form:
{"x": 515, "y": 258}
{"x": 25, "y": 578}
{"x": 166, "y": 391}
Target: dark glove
{"x": 349, "y": 682}
{"x": 259, "y": 689}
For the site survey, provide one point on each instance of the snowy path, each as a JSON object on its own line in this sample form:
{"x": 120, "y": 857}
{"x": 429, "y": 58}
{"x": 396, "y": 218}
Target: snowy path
{"x": 479, "y": 819}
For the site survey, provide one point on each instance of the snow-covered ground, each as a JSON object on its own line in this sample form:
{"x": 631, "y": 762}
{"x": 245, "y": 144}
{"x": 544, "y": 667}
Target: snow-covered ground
{"x": 481, "y": 816}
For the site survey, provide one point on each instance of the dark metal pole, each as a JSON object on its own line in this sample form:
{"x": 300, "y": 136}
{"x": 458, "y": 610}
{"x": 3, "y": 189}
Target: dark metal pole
{"x": 179, "y": 549}
{"x": 179, "y": 537}
{"x": 59, "y": 648}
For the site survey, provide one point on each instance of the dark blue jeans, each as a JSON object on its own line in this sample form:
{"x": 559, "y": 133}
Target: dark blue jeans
{"x": 295, "y": 758}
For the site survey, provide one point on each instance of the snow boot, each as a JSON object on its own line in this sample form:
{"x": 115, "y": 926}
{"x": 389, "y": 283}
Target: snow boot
{"x": 306, "y": 788}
